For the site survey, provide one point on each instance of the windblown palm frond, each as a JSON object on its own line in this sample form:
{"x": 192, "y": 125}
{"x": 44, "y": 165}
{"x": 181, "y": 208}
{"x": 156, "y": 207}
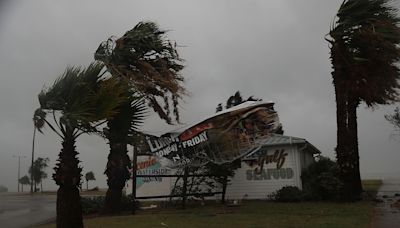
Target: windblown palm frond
{"x": 149, "y": 63}
{"x": 128, "y": 120}
{"x": 139, "y": 109}
{"x": 367, "y": 37}
{"x": 38, "y": 119}
{"x": 68, "y": 90}
{"x": 80, "y": 98}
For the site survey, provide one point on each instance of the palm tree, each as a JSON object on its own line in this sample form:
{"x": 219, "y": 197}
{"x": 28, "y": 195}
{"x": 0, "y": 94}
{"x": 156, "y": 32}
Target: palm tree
{"x": 37, "y": 171}
{"x": 149, "y": 65}
{"x": 89, "y": 176}
{"x": 364, "y": 51}
{"x": 78, "y": 102}
{"x": 24, "y": 181}
{"x": 234, "y": 100}
{"x": 37, "y": 123}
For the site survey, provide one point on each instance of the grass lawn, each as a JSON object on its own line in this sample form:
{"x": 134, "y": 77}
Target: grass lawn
{"x": 249, "y": 214}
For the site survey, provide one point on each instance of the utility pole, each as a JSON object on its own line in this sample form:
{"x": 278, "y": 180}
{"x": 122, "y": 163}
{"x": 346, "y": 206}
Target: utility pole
{"x": 19, "y": 167}
{"x": 33, "y": 155}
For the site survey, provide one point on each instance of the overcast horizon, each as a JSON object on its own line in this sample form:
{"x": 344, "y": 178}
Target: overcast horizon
{"x": 274, "y": 50}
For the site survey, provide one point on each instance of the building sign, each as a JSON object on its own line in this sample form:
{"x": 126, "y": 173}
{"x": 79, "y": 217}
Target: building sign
{"x": 269, "y": 174}
{"x": 278, "y": 157}
{"x": 149, "y": 165}
{"x": 220, "y": 139}
{"x": 262, "y": 157}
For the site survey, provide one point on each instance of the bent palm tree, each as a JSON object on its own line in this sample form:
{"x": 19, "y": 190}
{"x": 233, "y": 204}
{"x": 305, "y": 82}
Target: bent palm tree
{"x": 149, "y": 64}
{"x": 78, "y": 102}
{"x": 37, "y": 123}
{"x": 364, "y": 53}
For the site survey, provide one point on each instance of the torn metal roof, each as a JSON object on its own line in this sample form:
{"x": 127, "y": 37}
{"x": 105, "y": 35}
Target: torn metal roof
{"x": 243, "y": 106}
{"x": 281, "y": 140}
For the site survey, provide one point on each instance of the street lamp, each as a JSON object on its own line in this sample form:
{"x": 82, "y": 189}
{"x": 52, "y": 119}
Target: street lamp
{"x": 19, "y": 167}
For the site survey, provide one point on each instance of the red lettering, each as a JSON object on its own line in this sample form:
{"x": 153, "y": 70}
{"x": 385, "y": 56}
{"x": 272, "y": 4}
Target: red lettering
{"x": 190, "y": 133}
{"x": 145, "y": 164}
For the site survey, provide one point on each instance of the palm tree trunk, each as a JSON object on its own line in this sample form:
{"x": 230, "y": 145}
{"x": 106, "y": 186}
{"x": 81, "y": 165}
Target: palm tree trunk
{"x": 344, "y": 159}
{"x": 342, "y": 141}
{"x": 118, "y": 163}
{"x": 353, "y": 152}
{"x": 117, "y": 173}
{"x": 67, "y": 176}
{"x": 347, "y": 149}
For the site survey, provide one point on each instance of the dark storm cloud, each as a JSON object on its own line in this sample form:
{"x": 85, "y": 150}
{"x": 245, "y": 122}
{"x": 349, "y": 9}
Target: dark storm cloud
{"x": 273, "y": 50}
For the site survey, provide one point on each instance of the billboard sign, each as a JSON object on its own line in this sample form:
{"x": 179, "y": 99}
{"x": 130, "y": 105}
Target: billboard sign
{"x": 221, "y": 138}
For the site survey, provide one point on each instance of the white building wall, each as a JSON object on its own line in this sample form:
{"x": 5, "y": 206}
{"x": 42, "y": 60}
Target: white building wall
{"x": 245, "y": 184}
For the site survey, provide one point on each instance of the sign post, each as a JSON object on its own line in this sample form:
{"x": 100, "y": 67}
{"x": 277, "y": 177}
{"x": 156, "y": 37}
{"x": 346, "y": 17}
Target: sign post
{"x": 184, "y": 187}
{"x": 134, "y": 168}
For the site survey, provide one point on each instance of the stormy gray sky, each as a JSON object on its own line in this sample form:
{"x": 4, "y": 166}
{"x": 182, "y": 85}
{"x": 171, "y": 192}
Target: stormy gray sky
{"x": 274, "y": 50}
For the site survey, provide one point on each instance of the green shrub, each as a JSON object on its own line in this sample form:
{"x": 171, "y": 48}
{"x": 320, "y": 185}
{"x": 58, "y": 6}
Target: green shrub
{"x": 287, "y": 194}
{"x": 95, "y": 204}
{"x": 127, "y": 203}
{"x": 321, "y": 180}
{"x": 92, "y": 205}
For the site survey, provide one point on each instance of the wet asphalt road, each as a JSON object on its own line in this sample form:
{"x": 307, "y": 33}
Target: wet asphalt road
{"x": 388, "y": 211}
{"x": 18, "y": 211}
